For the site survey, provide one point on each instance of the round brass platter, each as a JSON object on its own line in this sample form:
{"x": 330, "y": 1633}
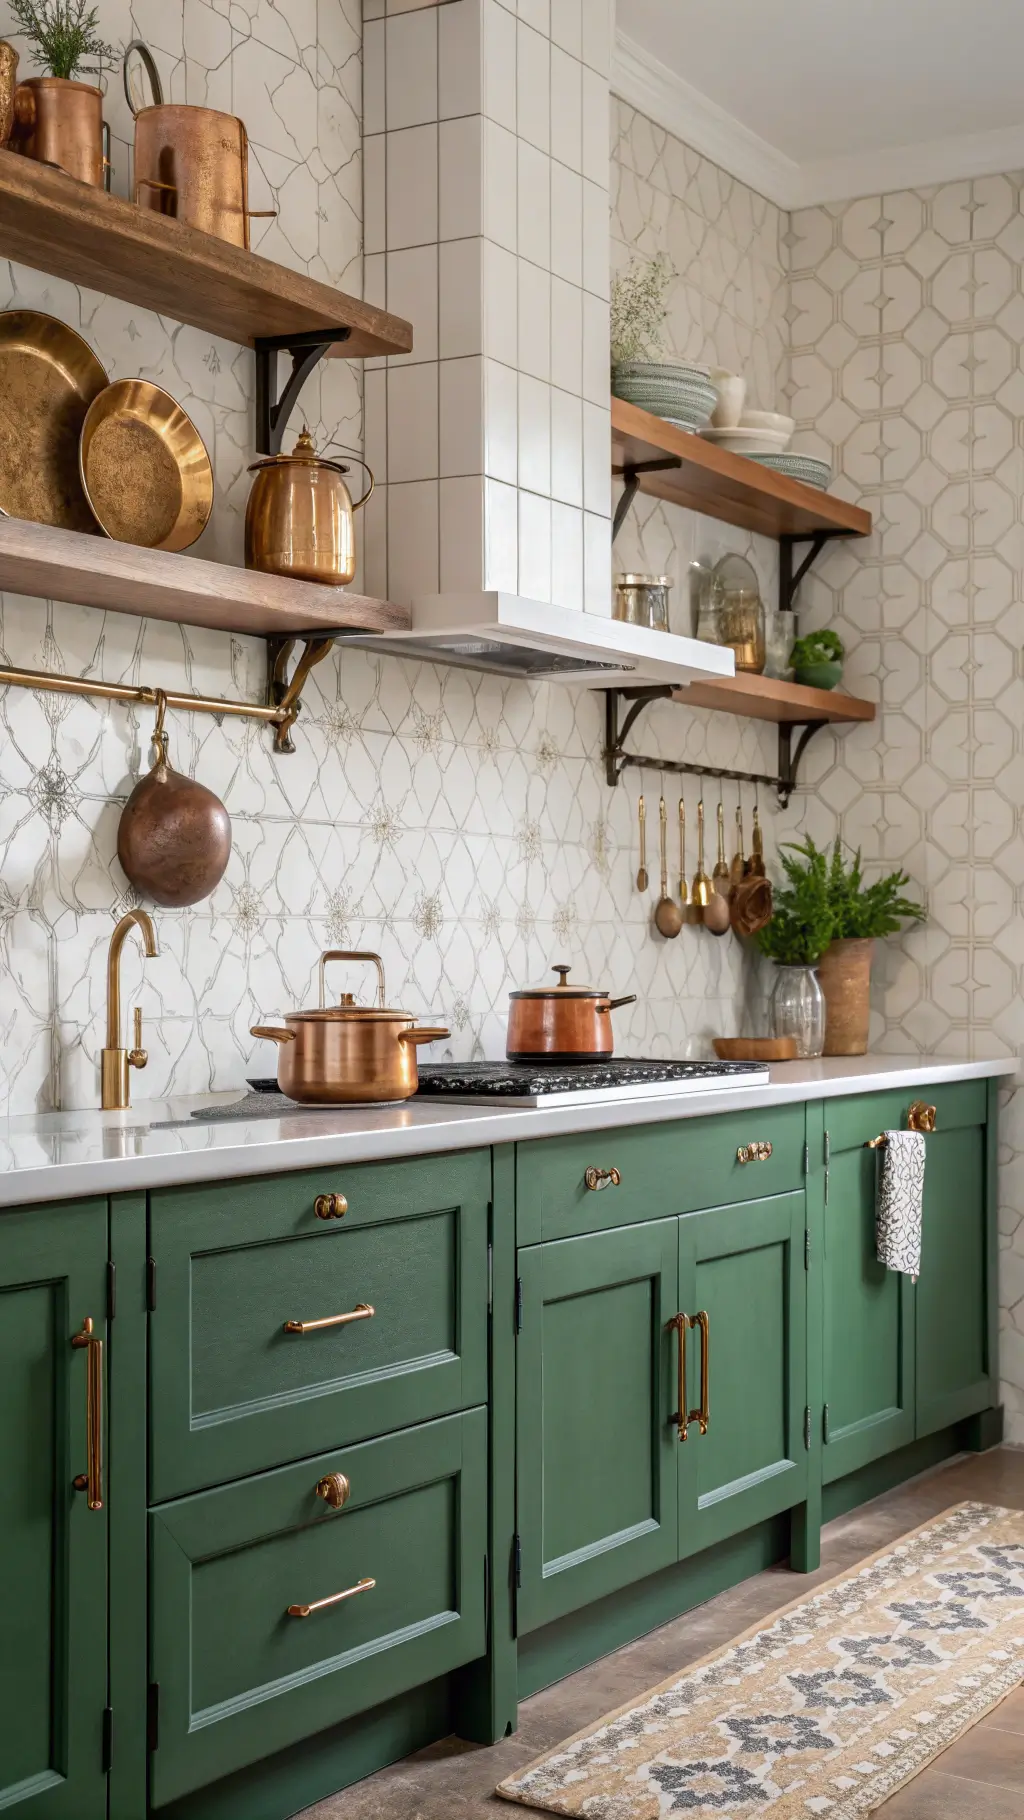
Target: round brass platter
{"x": 48, "y": 378}
{"x": 144, "y": 467}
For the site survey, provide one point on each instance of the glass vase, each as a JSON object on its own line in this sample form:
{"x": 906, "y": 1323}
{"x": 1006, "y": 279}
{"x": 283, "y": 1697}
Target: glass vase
{"x": 798, "y": 1009}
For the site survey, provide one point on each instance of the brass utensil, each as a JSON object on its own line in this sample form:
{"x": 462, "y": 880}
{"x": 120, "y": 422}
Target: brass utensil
{"x": 174, "y": 836}
{"x": 701, "y": 890}
{"x": 144, "y": 467}
{"x": 668, "y": 918}
{"x": 716, "y": 914}
{"x": 641, "y": 877}
{"x": 720, "y": 873}
{"x": 684, "y": 889}
{"x": 49, "y": 377}
{"x": 755, "y": 864}
{"x": 739, "y": 862}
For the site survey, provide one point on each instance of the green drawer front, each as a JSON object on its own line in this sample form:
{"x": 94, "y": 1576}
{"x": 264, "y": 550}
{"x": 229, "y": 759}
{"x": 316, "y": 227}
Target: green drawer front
{"x": 233, "y": 1392}
{"x": 665, "y": 1169}
{"x": 238, "y": 1677}
{"x": 851, "y": 1122}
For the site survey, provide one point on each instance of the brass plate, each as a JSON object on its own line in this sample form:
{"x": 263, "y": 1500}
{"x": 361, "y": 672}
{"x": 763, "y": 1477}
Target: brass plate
{"x": 49, "y": 377}
{"x": 144, "y": 467}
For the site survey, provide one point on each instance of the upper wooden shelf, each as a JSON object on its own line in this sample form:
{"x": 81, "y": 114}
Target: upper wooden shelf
{"x": 51, "y": 564}
{"x": 765, "y": 698}
{"x": 73, "y": 231}
{"x": 711, "y": 480}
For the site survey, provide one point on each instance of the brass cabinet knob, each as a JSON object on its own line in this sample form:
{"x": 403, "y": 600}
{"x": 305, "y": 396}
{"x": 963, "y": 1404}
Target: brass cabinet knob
{"x": 335, "y": 1489}
{"x": 758, "y": 1152}
{"x": 330, "y": 1206}
{"x": 920, "y": 1117}
{"x": 596, "y": 1179}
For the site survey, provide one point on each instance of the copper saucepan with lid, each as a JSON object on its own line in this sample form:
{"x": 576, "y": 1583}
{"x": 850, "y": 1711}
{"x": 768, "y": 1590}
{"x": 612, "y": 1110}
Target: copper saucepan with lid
{"x": 561, "y": 1023}
{"x": 347, "y": 1054}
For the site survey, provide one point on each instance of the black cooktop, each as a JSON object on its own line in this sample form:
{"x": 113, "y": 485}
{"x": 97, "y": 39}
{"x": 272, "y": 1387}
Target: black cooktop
{"x": 523, "y": 1083}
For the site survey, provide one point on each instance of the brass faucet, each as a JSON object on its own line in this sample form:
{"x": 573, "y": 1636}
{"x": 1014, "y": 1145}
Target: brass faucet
{"x": 114, "y": 1095}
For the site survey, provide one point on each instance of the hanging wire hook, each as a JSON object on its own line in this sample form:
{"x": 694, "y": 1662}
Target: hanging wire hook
{"x": 159, "y": 736}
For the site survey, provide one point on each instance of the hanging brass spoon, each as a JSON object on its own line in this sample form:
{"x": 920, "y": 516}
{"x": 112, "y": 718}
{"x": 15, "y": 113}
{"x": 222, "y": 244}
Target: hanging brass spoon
{"x": 720, "y": 874}
{"x": 668, "y": 918}
{"x": 701, "y": 892}
{"x": 739, "y": 862}
{"x": 641, "y": 877}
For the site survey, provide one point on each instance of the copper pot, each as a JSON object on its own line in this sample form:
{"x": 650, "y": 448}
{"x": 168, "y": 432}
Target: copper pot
{"x": 193, "y": 163}
{"x": 8, "y": 84}
{"x": 561, "y": 1023}
{"x": 300, "y": 517}
{"x": 347, "y": 1054}
{"x": 59, "y": 122}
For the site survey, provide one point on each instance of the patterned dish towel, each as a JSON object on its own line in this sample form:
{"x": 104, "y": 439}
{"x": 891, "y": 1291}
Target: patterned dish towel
{"x": 899, "y": 1205}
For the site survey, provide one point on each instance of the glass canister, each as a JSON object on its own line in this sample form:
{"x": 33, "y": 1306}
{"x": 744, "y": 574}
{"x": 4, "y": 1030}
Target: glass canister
{"x": 798, "y": 1009}
{"x": 642, "y": 600}
{"x": 739, "y": 610}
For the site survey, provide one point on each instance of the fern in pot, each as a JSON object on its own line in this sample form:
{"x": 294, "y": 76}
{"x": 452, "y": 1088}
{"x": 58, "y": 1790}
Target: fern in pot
{"x": 826, "y": 922}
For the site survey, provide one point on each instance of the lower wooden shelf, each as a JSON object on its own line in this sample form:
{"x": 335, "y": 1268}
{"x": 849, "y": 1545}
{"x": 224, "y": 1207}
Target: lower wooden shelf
{"x": 766, "y": 698}
{"x": 52, "y": 564}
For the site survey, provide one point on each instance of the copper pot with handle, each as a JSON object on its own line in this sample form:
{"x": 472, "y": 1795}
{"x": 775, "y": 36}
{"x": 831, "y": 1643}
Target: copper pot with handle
{"x": 348, "y": 1054}
{"x": 300, "y": 516}
{"x": 562, "y": 1023}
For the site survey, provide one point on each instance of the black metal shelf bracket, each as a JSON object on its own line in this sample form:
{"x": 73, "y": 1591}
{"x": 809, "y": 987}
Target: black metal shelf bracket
{"x": 617, "y": 759}
{"x": 790, "y": 578}
{"x": 273, "y": 411}
{"x": 631, "y": 479}
{"x": 284, "y": 691}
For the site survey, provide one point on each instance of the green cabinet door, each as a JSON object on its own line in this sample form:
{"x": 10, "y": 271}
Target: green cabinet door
{"x": 596, "y": 1473}
{"x": 869, "y": 1317}
{"x": 955, "y": 1369}
{"x": 743, "y": 1267}
{"x": 53, "y": 1649}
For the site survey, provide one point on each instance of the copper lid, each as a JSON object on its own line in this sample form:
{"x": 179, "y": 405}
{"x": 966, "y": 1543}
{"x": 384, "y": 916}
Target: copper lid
{"x": 348, "y": 1012}
{"x": 303, "y": 453}
{"x": 562, "y": 990}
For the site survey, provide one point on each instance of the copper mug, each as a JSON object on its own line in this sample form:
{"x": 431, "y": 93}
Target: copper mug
{"x": 193, "y": 163}
{"x": 61, "y": 123}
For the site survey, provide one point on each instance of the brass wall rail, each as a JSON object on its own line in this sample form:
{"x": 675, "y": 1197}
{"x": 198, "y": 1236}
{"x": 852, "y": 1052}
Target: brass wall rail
{"x": 278, "y": 716}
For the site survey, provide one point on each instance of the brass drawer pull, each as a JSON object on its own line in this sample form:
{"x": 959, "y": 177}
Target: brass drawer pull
{"x": 920, "y": 1117}
{"x": 363, "y": 1311}
{"x": 92, "y": 1480}
{"x": 596, "y": 1179}
{"x": 682, "y": 1417}
{"x": 306, "y": 1611}
{"x": 334, "y": 1488}
{"x": 758, "y": 1152}
{"x": 330, "y": 1206}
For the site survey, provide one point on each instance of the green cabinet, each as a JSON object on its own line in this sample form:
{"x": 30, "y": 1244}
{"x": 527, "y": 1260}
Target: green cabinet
{"x": 956, "y": 1293}
{"x": 607, "y": 1490}
{"x": 53, "y": 1629}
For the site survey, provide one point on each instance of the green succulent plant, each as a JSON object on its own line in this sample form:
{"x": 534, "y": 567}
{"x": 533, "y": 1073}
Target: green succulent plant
{"x": 825, "y": 647}
{"x": 64, "y": 34}
{"x": 824, "y": 899}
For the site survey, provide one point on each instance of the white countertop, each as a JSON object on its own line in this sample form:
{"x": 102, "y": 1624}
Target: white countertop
{"x": 66, "y": 1155}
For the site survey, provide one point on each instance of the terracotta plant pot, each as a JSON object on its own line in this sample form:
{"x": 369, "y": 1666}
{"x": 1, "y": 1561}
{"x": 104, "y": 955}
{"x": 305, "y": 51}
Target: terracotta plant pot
{"x": 844, "y": 973}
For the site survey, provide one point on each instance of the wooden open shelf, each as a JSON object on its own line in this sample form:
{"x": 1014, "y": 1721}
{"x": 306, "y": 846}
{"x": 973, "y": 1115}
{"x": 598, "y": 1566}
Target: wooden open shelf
{"x": 51, "y": 564}
{"x": 710, "y": 480}
{"x": 765, "y": 698}
{"x": 73, "y": 231}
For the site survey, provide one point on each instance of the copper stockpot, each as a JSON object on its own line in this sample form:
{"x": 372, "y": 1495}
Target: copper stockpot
{"x": 347, "y": 1054}
{"x": 61, "y": 123}
{"x": 193, "y": 163}
{"x": 561, "y": 1023}
{"x": 300, "y": 517}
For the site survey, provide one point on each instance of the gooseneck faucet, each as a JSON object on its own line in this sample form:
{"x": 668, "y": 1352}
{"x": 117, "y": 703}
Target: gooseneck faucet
{"x": 116, "y": 1061}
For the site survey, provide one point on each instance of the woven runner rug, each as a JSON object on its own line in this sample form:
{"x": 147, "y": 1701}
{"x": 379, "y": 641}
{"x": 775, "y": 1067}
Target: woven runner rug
{"x": 827, "y": 1710}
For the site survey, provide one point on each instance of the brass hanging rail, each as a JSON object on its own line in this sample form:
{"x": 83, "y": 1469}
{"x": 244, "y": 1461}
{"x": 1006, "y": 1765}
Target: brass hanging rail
{"x": 279, "y": 717}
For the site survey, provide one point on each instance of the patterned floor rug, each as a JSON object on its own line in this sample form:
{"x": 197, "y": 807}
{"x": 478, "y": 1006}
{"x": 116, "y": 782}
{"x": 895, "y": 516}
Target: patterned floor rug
{"x": 829, "y": 1709}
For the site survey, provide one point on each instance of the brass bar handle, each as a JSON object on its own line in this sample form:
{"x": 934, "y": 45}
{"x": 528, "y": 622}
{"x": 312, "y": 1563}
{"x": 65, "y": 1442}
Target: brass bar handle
{"x": 363, "y": 1311}
{"x": 703, "y": 1414}
{"x": 874, "y": 1143}
{"x": 597, "y": 1179}
{"x": 330, "y": 1206}
{"x": 91, "y": 1481}
{"x": 352, "y": 954}
{"x": 682, "y": 1417}
{"x": 680, "y": 1322}
{"x": 757, "y": 1152}
{"x": 306, "y": 1611}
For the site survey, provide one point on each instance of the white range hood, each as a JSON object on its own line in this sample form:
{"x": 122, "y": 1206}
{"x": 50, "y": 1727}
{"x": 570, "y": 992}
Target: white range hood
{"x": 510, "y": 636}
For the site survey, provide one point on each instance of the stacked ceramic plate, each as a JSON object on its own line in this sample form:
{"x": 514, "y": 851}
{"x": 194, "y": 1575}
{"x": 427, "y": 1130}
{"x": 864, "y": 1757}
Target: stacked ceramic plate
{"x": 808, "y": 468}
{"x": 757, "y": 433}
{"x": 675, "y": 390}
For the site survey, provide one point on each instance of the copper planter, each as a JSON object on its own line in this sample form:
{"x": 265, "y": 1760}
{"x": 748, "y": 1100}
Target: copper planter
{"x": 562, "y": 1023}
{"x": 61, "y": 123}
{"x": 348, "y": 1054}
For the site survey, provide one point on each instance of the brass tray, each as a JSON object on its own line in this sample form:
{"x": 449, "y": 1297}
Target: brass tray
{"x": 49, "y": 377}
{"x": 144, "y": 467}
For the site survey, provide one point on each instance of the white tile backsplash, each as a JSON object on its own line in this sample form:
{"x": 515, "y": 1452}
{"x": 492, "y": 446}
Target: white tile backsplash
{"x": 411, "y": 81}
{"x": 499, "y": 61}
{"x": 413, "y": 534}
{"x": 566, "y": 448}
{"x": 597, "y": 458}
{"x": 461, "y": 417}
{"x": 534, "y": 205}
{"x": 412, "y": 292}
{"x": 567, "y": 556}
{"x": 567, "y": 25}
{"x": 595, "y": 349}
{"x": 533, "y": 87}
{"x": 460, "y": 52}
{"x": 566, "y": 109}
{"x": 534, "y": 321}
{"x": 534, "y": 546}
{"x": 412, "y": 192}
{"x": 501, "y": 422}
{"x": 500, "y": 186}
{"x": 501, "y": 506}
{"x": 534, "y": 435}
{"x": 566, "y": 224}
{"x": 500, "y": 303}
{"x": 460, "y": 286}
{"x": 460, "y": 150}
{"x": 566, "y": 336}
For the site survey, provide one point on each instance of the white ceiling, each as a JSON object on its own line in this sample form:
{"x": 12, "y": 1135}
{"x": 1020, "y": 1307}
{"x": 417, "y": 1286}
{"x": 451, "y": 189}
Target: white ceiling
{"x": 818, "y": 100}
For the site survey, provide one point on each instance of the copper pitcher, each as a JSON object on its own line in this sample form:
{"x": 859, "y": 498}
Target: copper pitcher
{"x": 61, "y": 123}
{"x": 193, "y": 163}
{"x": 300, "y": 517}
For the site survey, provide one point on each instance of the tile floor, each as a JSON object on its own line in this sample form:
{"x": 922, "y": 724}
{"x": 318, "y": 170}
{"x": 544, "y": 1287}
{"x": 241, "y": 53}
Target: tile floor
{"x": 979, "y": 1778}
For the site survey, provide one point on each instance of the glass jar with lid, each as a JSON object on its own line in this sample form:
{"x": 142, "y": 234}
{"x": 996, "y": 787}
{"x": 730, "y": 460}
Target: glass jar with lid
{"x": 642, "y": 600}
{"x": 739, "y": 612}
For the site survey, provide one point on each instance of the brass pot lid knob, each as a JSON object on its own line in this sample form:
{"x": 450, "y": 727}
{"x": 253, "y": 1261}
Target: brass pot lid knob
{"x": 335, "y": 1489}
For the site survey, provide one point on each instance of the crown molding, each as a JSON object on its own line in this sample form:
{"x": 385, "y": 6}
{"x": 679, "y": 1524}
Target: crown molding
{"x": 649, "y": 85}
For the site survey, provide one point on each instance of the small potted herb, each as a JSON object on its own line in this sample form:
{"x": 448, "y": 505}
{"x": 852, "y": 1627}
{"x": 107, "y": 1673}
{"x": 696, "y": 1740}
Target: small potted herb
{"x": 58, "y": 119}
{"x": 827, "y": 920}
{"x": 817, "y": 659}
